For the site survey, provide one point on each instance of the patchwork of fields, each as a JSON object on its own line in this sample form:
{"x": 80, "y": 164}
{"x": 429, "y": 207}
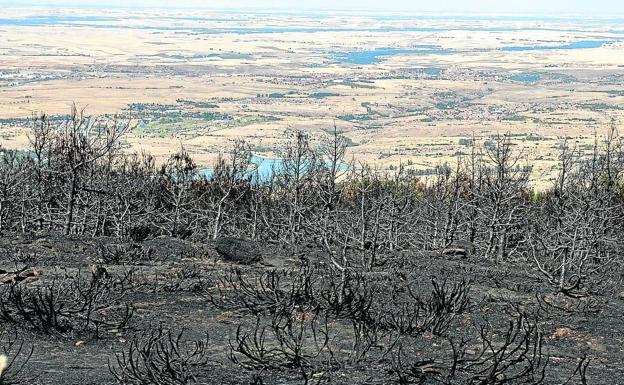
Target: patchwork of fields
{"x": 416, "y": 91}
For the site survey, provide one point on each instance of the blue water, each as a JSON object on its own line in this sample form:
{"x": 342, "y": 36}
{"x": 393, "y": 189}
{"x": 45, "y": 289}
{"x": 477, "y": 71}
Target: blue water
{"x": 529, "y": 78}
{"x": 51, "y": 20}
{"x": 432, "y": 71}
{"x": 355, "y": 57}
{"x": 271, "y": 30}
{"x": 264, "y": 169}
{"x": 376, "y": 56}
{"x": 585, "y": 44}
{"x": 551, "y": 19}
{"x": 88, "y": 21}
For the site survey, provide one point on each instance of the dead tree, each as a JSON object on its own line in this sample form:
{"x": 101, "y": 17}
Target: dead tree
{"x": 503, "y": 196}
{"x": 229, "y": 178}
{"x": 576, "y": 232}
{"x": 177, "y": 197}
{"x": 15, "y": 192}
{"x": 67, "y": 154}
{"x": 295, "y": 179}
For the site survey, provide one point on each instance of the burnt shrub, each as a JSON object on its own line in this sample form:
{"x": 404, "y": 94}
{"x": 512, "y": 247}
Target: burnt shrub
{"x": 68, "y": 304}
{"x": 159, "y": 357}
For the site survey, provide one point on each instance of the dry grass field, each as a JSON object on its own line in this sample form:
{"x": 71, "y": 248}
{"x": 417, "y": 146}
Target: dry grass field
{"x": 405, "y": 90}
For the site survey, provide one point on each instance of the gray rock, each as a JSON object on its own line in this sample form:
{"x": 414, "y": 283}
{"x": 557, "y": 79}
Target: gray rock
{"x": 238, "y": 250}
{"x": 165, "y": 248}
{"x": 462, "y": 249}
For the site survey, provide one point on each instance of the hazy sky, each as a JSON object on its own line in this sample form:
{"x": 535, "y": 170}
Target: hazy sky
{"x": 594, "y": 7}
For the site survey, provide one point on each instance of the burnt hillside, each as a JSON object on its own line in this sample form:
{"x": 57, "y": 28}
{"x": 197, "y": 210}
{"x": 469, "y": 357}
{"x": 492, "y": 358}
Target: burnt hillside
{"x": 117, "y": 271}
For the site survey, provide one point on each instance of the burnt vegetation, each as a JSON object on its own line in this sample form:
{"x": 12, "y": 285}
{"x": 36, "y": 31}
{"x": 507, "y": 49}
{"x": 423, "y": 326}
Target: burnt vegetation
{"x": 324, "y": 272}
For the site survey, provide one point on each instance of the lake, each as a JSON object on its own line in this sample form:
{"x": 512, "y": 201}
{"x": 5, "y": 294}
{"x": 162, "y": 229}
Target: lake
{"x": 377, "y": 55}
{"x": 265, "y": 168}
{"x": 420, "y": 26}
{"x": 51, "y": 20}
{"x": 528, "y": 78}
{"x": 584, "y": 44}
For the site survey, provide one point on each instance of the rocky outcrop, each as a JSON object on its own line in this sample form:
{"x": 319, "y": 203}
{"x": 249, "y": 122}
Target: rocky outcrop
{"x": 238, "y": 250}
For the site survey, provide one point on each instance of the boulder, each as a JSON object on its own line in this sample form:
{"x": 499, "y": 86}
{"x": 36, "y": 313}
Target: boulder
{"x": 461, "y": 249}
{"x": 238, "y": 250}
{"x": 166, "y": 248}
{"x": 24, "y": 276}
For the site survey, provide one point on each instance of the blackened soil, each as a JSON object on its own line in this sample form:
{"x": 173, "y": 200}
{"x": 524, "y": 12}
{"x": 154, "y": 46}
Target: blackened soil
{"x": 172, "y": 282}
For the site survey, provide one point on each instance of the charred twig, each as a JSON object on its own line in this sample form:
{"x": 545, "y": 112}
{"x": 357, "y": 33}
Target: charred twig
{"x": 159, "y": 357}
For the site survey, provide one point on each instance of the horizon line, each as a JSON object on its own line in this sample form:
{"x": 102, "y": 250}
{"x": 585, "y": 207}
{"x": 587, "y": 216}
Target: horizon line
{"x": 346, "y": 11}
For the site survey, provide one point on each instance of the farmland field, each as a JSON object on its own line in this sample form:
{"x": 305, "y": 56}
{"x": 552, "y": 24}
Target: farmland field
{"x": 403, "y": 89}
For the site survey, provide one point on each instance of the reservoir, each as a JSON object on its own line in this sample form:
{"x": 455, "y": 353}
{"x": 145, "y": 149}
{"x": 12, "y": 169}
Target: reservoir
{"x": 585, "y": 44}
{"x": 377, "y": 55}
{"x": 263, "y": 169}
